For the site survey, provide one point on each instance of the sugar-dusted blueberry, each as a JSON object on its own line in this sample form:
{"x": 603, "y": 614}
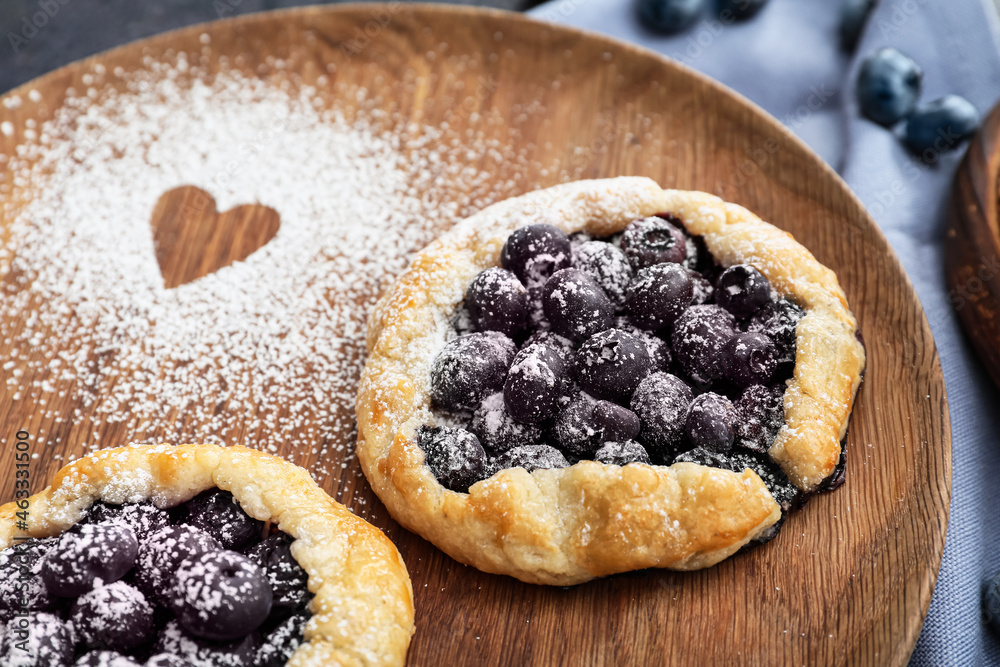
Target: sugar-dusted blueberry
{"x": 670, "y": 16}
{"x": 761, "y": 415}
{"x": 742, "y": 290}
{"x": 220, "y": 595}
{"x": 705, "y": 457}
{"x": 608, "y": 266}
{"x": 279, "y": 645}
{"x": 161, "y": 554}
{"x": 779, "y": 320}
{"x": 661, "y": 402}
{"x": 658, "y": 349}
{"x": 534, "y": 252}
{"x": 455, "y": 456}
{"x": 610, "y": 364}
{"x": 535, "y": 383}
{"x": 888, "y": 86}
{"x": 286, "y": 577}
{"x": 88, "y": 555}
{"x": 622, "y": 453}
{"x": 174, "y": 639}
{"x": 750, "y": 358}
{"x": 615, "y": 422}
{"x": 574, "y": 429}
{"x": 49, "y": 641}
{"x": 116, "y": 617}
{"x": 217, "y": 513}
{"x": 702, "y": 289}
{"x": 941, "y": 125}
{"x": 853, "y": 16}
{"x": 654, "y": 240}
{"x": 739, "y": 10}
{"x": 699, "y": 336}
{"x": 658, "y": 296}
{"x": 144, "y": 518}
{"x": 102, "y": 658}
{"x": 21, "y": 584}
{"x": 497, "y": 430}
{"x": 470, "y": 368}
{"x": 497, "y": 301}
{"x": 531, "y": 458}
{"x": 711, "y": 422}
{"x": 561, "y": 345}
{"x": 576, "y": 306}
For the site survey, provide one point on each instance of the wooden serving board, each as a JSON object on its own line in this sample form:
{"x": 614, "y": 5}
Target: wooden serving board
{"x": 972, "y": 246}
{"x": 850, "y": 577}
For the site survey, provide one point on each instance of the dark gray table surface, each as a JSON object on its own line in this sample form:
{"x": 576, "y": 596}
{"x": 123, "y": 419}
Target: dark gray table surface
{"x": 73, "y": 29}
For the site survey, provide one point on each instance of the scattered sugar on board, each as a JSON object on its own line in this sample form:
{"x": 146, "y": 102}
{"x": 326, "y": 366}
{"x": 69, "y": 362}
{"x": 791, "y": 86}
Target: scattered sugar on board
{"x": 266, "y": 352}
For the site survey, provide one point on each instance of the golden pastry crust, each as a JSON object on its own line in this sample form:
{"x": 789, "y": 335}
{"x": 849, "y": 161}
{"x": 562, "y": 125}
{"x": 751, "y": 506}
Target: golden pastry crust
{"x": 569, "y": 525}
{"x": 363, "y": 605}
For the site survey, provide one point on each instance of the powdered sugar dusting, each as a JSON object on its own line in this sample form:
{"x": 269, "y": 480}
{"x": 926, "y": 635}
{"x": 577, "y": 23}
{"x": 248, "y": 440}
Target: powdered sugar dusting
{"x": 266, "y": 351}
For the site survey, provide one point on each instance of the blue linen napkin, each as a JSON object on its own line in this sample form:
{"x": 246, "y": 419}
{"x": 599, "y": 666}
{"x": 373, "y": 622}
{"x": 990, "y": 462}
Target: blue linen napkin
{"x": 957, "y": 43}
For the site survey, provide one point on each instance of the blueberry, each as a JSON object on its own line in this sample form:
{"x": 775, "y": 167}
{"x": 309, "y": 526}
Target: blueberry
{"x": 533, "y": 253}
{"x": 779, "y": 320}
{"x": 220, "y": 595}
{"x": 761, "y": 416}
{"x": 941, "y": 125}
{"x": 622, "y": 453}
{"x": 740, "y": 10}
{"x": 705, "y": 457}
{"x": 702, "y": 289}
{"x": 174, "y": 639}
{"x": 991, "y": 602}
{"x": 454, "y": 456}
{"x": 614, "y": 422}
{"x": 281, "y": 643}
{"x": 611, "y": 364}
{"x": 470, "y": 368}
{"x": 655, "y": 240}
{"x": 742, "y": 290}
{"x": 711, "y": 423}
{"x": 532, "y": 457}
{"x": 750, "y": 358}
{"x": 286, "y": 577}
{"x": 669, "y": 16}
{"x": 116, "y": 617}
{"x": 217, "y": 513}
{"x": 49, "y": 641}
{"x": 658, "y": 295}
{"x": 608, "y": 266}
{"x": 497, "y": 301}
{"x": 575, "y": 305}
{"x": 657, "y": 348}
{"x": 88, "y": 555}
{"x": 560, "y": 345}
{"x": 535, "y": 383}
{"x": 143, "y": 518}
{"x": 21, "y": 584}
{"x": 497, "y": 430}
{"x": 574, "y": 428}
{"x": 161, "y": 554}
{"x": 698, "y": 339}
{"x": 888, "y": 86}
{"x": 661, "y": 402}
{"x": 853, "y": 16}
{"x": 105, "y": 659}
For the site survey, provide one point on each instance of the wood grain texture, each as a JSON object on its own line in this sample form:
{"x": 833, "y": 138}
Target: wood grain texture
{"x": 849, "y": 579}
{"x": 972, "y": 246}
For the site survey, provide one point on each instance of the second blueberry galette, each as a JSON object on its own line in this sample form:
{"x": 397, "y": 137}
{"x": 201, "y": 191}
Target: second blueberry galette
{"x": 606, "y": 376}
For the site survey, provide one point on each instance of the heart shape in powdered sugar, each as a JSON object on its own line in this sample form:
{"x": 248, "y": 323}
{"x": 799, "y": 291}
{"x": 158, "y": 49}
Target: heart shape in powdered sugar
{"x": 192, "y": 239}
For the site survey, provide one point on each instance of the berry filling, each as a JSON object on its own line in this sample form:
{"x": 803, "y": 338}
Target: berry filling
{"x": 644, "y": 350}
{"x": 133, "y": 585}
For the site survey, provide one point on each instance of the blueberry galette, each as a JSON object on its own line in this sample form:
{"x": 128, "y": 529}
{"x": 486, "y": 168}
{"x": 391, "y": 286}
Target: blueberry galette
{"x": 606, "y": 376}
{"x": 196, "y": 556}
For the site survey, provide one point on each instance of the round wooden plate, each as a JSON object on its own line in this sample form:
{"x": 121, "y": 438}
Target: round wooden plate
{"x": 972, "y": 246}
{"x": 850, "y": 577}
